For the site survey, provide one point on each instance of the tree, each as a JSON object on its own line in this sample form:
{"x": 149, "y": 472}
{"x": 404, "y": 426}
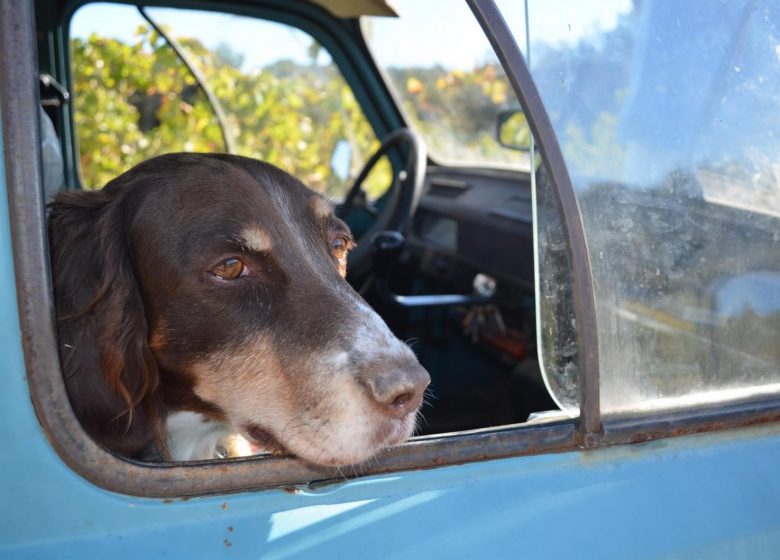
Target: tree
{"x": 135, "y": 101}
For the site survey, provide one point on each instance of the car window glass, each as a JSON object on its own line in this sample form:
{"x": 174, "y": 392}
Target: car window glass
{"x": 668, "y": 117}
{"x": 283, "y": 99}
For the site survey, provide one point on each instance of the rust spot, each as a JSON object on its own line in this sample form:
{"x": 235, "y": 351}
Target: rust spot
{"x": 224, "y": 506}
{"x": 230, "y": 529}
{"x": 228, "y": 543}
{"x": 644, "y": 437}
{"x": 290, "y": 489}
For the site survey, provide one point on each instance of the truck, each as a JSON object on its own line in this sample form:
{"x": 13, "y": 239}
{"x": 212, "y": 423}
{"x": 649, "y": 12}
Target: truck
{"x": 578, "y": 233}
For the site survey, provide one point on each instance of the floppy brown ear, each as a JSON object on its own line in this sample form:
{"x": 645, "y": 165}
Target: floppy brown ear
{"x": 110, "y": 373}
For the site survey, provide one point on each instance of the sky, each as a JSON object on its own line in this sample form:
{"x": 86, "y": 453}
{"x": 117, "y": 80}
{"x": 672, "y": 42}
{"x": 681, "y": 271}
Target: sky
{"x": 428, "y": 32}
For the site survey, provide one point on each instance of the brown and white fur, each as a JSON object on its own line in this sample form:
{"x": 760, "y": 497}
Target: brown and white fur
{"x": 202, "y": 297}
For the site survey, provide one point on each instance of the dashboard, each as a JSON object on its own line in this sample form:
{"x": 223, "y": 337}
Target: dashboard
{"x": 475, "y": 220}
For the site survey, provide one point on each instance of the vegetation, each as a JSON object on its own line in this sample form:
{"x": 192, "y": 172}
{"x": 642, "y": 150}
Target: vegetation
{"x": 457, "y": 111}
{"x": 134, "y": 101}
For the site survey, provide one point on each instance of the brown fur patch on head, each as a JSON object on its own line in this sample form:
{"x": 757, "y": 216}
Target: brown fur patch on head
{"x": 257, "y": 239}
{"x": 320, "y": 207}
{"x": 158, "y": 341}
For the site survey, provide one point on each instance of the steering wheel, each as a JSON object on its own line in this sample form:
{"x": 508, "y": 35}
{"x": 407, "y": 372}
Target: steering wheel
{"x": 404, "y": 195}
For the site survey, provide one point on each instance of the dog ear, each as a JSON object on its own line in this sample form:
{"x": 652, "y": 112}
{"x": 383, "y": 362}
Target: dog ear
{"x": 110, "y": 372}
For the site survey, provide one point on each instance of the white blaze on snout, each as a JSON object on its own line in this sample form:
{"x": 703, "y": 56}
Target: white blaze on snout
{"x": 373, "y": 338}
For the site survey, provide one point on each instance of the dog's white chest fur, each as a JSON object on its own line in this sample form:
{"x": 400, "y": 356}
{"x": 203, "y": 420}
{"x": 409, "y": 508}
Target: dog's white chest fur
{"x": 192, "y": 436}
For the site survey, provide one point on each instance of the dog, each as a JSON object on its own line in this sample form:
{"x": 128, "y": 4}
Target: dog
{"x": 202, "y": 298}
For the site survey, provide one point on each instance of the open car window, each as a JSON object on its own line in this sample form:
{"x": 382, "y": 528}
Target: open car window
{"x": 157, "y": 80}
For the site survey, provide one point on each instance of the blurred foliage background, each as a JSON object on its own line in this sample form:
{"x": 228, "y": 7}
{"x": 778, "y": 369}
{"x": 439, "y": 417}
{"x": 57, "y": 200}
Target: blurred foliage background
{"x": 136, "y": 99}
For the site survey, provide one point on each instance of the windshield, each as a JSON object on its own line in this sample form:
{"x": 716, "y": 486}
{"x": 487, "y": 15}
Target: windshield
{"x": 447, "y": 79}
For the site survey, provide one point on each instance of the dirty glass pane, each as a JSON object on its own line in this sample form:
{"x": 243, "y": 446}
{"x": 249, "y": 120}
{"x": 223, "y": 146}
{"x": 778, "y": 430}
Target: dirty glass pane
{"x": 668, "y": 114}
{"x": 556, "y": 324}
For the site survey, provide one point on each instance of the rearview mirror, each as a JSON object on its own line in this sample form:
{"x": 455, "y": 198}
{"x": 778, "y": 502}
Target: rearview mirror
{"x": 513, "y": 131}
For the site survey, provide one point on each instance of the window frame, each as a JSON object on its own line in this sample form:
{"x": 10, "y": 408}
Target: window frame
{"x": 19, "y": 105}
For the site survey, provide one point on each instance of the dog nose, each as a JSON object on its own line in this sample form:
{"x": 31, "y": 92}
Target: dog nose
{"x": 399, "y": 391}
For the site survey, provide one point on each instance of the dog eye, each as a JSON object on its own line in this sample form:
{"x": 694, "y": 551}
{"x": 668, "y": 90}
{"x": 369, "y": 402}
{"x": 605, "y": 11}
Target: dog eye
{"x": 230, "y": 269}
{"x": 339, "y": 247}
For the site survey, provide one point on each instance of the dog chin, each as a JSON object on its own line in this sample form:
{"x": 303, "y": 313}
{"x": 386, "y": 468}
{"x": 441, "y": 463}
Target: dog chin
{"x": 318, "y": 453}
{"x": 329, "y": 452}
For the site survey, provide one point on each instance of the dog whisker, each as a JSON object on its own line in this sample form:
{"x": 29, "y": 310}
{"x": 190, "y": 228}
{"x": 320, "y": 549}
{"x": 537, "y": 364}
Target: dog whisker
{"x": 411, "y": 342}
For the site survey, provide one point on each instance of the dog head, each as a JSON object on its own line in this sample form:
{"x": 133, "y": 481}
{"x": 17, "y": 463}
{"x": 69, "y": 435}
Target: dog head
{"x": 215, "y": 284}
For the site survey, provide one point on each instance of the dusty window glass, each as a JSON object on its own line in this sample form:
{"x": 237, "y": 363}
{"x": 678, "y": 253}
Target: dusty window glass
{"x": 556, "y": 323}
{"x": 668, "y": 115}
{"x": 283, "y": 98}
